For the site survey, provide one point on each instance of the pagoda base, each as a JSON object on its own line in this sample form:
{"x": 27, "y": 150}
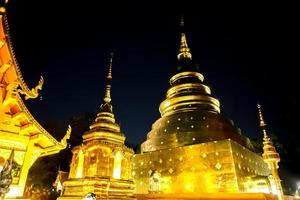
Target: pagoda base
{"x": 214, "y": 167}
{"x": 209, "y": 196}
{"x": 103, "y": 188}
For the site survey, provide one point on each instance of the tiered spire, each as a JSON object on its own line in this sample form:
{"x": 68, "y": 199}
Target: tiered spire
{"x": 270, "y": 155}
{"x": 184, "y": 51}
{"x": 105, "y": 120}
{"x": 262, "y": 123}
{"x": 107, "y": 97}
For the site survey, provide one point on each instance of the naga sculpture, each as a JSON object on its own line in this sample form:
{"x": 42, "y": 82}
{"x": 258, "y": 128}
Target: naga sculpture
{"x": 34, "y": 92}
{"x": 67, "y": 136}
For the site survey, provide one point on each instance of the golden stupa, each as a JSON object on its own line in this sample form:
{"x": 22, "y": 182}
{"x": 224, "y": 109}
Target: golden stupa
{"x": 193, "y": 149}
{"x": 271, "y": 157}
{"x": 18, "y": 128}
{"x": 102, "y": 164}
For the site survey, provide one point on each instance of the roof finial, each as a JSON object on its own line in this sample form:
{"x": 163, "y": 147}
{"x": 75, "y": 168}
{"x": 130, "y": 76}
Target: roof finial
{"x": 184, "y": 51}
{"x": 262, "y": 123}
{"x": 107, "y": 97}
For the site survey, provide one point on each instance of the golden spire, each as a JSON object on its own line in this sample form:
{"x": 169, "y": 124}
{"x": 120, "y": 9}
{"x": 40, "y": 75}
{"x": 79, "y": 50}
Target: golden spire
{"x": 270, "y": 155}
{"x": 107, "y": 97}
{"x": 184, "y": 51}
{"x": 262, "y": 123}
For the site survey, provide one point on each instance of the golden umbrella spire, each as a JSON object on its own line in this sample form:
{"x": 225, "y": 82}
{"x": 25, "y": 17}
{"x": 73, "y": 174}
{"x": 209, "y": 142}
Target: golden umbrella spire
{"x": 262, "y": 123}
{"x": 184, "y": 51}
{"x": 270, "y": 155}
{"x": 107, "y": 97}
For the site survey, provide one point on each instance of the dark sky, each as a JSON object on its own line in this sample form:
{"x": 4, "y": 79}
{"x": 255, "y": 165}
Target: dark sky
{"x": 247, "y": 54}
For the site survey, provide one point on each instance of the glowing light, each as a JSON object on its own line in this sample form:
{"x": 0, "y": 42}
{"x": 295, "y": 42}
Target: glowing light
{"x": 14, "y": 191}
{"x": 79, "y": 170}
{"x": 117, "y": 165}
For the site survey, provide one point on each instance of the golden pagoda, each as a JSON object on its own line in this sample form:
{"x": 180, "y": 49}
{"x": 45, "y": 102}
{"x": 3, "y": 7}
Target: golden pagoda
{"x": 102, "y": 164}
{"x": 193, "y": 148}
{"x": 18, "y": 128}
{"x": 270, "y": 156}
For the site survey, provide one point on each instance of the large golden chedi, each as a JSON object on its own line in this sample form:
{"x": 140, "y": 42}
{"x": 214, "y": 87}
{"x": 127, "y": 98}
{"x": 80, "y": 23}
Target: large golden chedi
{"x": 19, "y": 130}
{"x": 193, "y": 148}
{"x": 102, "y": 164}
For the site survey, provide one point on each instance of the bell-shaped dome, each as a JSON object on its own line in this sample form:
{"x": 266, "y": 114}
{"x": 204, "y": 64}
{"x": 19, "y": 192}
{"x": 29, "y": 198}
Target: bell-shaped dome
{"x": 189, "y": 114}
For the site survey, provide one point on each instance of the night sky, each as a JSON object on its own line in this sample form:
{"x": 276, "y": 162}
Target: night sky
{"x": 247, "y": 54}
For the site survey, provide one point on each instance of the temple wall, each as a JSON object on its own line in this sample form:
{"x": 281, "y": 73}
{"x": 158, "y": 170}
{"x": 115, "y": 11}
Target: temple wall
{"x": 201, "y": 168}
{"x": 206, "y": 167}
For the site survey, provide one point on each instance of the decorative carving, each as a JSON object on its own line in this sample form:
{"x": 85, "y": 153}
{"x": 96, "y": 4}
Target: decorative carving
{"x": 34, "y": 92}
{"x": 67, "y": 136}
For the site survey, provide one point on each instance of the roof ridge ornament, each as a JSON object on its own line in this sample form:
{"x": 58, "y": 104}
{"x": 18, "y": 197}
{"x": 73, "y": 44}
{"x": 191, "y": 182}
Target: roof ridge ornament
{"x": 34, "y": 92}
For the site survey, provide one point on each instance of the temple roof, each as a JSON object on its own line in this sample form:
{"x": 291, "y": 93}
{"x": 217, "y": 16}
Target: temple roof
{"x": 13, "y": 111}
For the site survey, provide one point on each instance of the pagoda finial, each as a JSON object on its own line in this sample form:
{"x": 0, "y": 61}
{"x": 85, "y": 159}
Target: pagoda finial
{"x": 262, "y": 123}
{"x": 182, "y": 22}
{"x": 261, "y": 117}
{"x": 109, "y": 76}
{"x": 107, "y": 97}
{"x": 184, "y": 51}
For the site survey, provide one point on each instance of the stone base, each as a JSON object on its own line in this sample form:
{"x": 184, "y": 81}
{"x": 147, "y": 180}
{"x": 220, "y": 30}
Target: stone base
{"x": 213, "y": 167}
{"x": 103, "y": 188}
{"x": 210, "y": 196}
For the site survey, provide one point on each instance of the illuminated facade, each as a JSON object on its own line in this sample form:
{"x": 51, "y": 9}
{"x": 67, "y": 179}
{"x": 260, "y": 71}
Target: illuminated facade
{"x": 102, "y": 164}
{"x": 18, "y": 128}
{"x": 193, "y": 148}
